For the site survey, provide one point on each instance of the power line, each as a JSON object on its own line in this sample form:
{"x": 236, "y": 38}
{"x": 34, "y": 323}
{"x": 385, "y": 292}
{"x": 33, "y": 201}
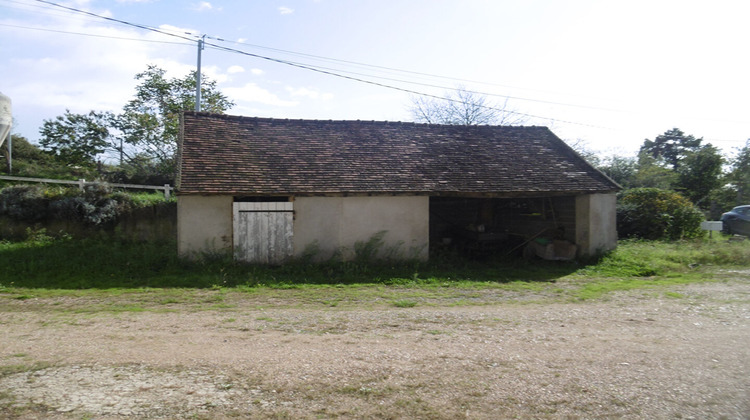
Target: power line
{"x": 396, "y": 70}
{"x": 428, "y": 75}
{"x": 518, "y": 98}
{"x": 370, "y": 82}
{"x": 135, "y": 25}
{"x": 93, "y": 35}
{"x": 36, "y": 8}
{"x": 310, "y": 67}
{"x": 313, "y": 68}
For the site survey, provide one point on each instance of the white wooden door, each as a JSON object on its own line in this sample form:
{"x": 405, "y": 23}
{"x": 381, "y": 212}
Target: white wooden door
{"x": 263, "y": 232}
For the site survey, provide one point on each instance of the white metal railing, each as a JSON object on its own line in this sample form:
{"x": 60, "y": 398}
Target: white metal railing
{"x": 82, "y": 183}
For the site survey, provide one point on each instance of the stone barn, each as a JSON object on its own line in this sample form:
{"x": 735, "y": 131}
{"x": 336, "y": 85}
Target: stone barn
{"x": 268, "y": 190}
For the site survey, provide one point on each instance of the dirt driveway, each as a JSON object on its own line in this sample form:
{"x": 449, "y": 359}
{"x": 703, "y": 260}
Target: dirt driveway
{"x": 682, "y": 352}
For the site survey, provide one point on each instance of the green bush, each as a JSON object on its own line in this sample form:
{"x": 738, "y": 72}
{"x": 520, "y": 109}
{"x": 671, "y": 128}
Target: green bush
{"x": 26, "y": 203}
{"x": 98, "y": 212}
{"x": 96, "y": 205}
{"x": 653, "y": 213}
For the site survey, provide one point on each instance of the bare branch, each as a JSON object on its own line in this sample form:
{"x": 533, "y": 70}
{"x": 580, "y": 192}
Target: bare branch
{"x": 463, "y": 107}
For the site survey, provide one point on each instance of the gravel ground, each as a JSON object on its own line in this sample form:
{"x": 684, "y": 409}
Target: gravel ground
{"x": 682, "y": 352}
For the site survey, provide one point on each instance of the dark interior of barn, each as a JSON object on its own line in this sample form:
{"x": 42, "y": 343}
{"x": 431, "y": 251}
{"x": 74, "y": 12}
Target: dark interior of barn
{"x": 487, "y": 227}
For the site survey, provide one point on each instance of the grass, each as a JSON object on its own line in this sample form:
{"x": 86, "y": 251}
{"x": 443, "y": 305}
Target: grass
{"x": 7, "y": 370}
{"x": 43, "y": 266}
{"x": 44, "y": 262}
{"x": 404, "y": 303}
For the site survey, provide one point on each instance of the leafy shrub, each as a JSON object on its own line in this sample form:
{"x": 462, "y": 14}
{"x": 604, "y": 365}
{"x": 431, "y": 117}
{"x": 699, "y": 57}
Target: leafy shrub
{"x": 96, "y": 205}
{"x": 96, "y": 191}
{"x": 652, "y": 213}
{"x": 71, "y": 208}
{"x": 24, "y": 202}
{"x": 98, "y": 212}
{"x": 685, "y": 222}
{"x": 92, "y": 206}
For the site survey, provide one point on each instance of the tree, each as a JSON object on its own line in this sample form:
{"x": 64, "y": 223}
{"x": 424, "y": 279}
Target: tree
{"x": 144, "y": 135}
{"x": 652, "y": 213}
{"x": 739, "y": 175}
{"x": 681, "y": 162}
{"x": 30, "y": 160}
{"x": 621, "y": 169}
{"x": 149, "y": 124}
{"x": 699, "y": 173}
{"x": 582, "y": 148}
{"x": 76, "y": 139}
{"x": 651, "y": 174}
{"x": 463, "y": 107}
{"x": 671, "y": 147}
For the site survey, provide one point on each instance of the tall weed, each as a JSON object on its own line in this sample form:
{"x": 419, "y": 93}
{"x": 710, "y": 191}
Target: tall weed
{"x": 640, "y": 258}
{"x": 64, "y": 263}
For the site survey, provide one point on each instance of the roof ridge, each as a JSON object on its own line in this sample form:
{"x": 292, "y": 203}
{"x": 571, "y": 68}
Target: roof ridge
{"x": 361, "y": 121}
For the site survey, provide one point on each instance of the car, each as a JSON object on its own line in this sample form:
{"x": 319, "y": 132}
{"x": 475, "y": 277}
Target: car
{"x": 737, "y": 221}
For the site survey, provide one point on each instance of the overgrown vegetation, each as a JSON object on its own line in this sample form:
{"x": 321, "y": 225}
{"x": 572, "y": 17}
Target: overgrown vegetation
{"x": 42, "y": 262}
{"x": 95, "y": 205}
{"x": 31, "y": 161}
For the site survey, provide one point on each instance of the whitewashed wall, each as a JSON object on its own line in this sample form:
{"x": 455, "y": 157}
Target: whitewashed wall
{"x": 330, "y": 224}
{"x": 204, "y": 224}
{"x": 335, "y": 224}
{"x": 596, "y": 227}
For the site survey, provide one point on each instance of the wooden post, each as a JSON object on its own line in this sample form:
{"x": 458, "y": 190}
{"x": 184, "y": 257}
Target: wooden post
{"x": 166, "y": 191}
{"x": 81, "y": 183}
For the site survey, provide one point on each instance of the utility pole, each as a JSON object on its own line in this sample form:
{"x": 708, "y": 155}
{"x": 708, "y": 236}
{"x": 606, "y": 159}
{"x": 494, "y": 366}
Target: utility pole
{"x": 201, "y": 40}
{"x": 10, "y": 154}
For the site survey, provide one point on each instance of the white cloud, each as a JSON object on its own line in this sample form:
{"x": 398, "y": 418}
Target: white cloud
{"x": 176, "y": 30}
{"x": 253, "y": 93}
{"x": 256, "y": 72}
{"x": 205, "y": 6}
{"x": 212, "y": 72}
{"x": 235, "y": 69}
{"x": 286, "y": 10}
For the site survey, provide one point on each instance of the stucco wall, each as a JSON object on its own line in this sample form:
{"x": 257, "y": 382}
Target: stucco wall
{"x": 336, "y": 224}
{"x": 204, "y": 224}
{"x": 330, "y": 224}
{"x": 596, "y": 229}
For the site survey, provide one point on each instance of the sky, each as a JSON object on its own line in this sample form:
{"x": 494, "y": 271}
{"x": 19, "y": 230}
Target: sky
{"x": 604, "y": 75}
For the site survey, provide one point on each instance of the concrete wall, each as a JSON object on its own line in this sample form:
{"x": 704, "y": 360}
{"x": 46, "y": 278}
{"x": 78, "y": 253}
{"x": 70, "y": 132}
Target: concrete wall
{"x": 596, "y": 229}
{"x": 336, "y": 224}
{"x": 204, "y": 224}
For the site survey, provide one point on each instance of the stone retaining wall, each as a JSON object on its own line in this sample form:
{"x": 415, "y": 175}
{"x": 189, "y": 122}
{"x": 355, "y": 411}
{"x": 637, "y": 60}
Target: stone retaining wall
{"x": 146, "y": 224}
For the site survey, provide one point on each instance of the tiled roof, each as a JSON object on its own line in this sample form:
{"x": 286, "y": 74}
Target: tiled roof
{"x": 222, "y": 154}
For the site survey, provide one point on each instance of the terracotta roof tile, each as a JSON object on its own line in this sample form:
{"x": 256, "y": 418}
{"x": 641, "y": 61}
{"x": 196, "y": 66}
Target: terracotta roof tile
{"x": 221, "y": 154}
